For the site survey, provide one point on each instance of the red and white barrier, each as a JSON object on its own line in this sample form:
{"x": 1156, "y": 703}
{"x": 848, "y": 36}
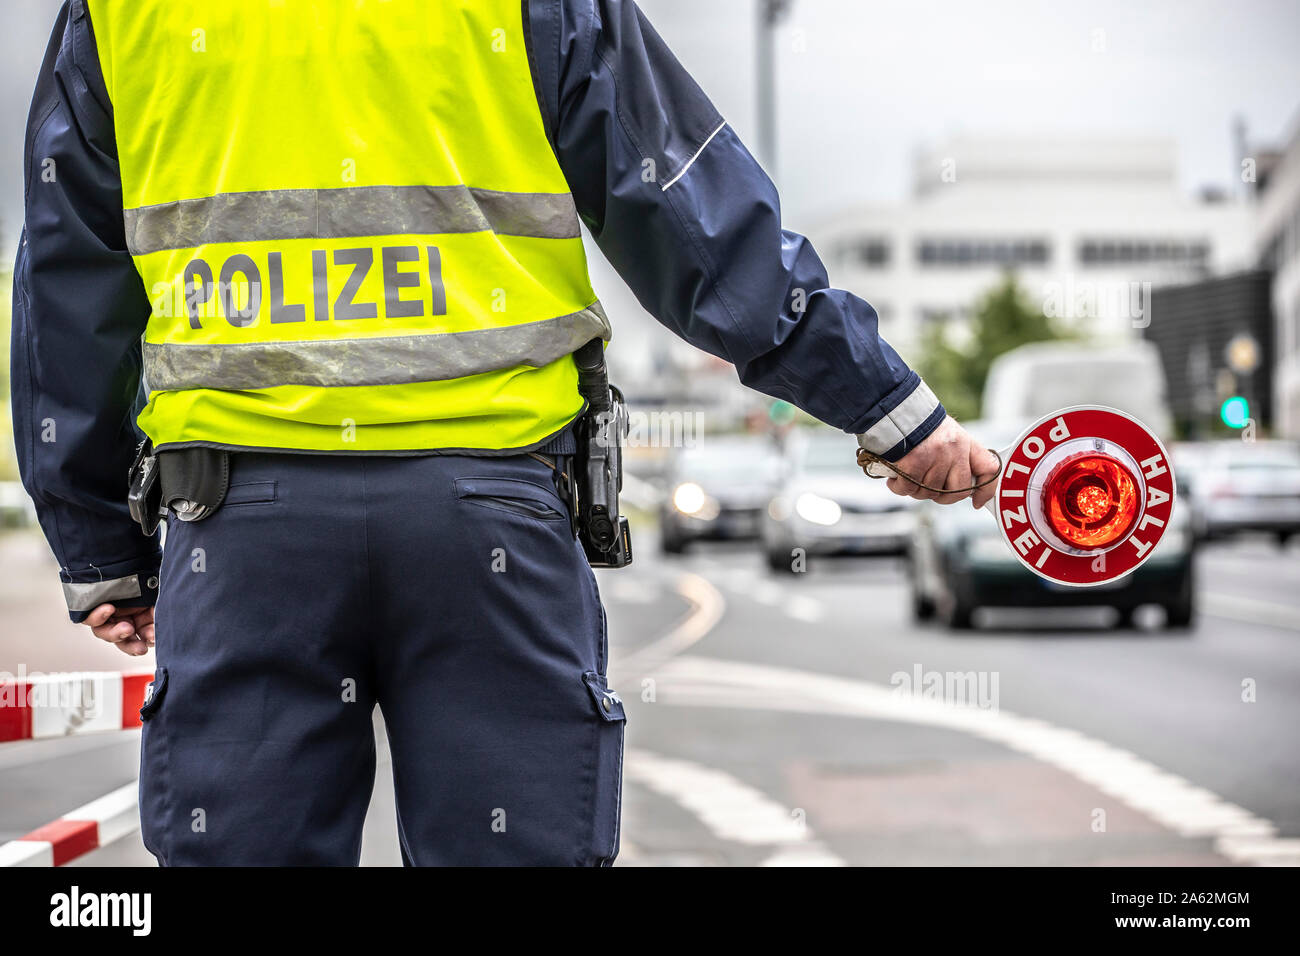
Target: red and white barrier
{"x": 39, "y": 706}
{"x": 75, "y": 834}
{"x": 44, "y": 706}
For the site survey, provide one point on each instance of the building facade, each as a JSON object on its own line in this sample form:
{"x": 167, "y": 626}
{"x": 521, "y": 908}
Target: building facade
{"x": 1089, "y": 225}
{"x": 1277, "y": 245}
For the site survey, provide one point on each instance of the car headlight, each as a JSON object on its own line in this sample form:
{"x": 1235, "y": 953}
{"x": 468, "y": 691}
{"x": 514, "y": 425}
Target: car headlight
{"x": 817, "y": 510}
{"x": 689, "y": 498}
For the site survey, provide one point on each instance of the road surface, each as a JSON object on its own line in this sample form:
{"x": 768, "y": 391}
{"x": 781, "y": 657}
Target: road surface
{"x": 807, "y": 720}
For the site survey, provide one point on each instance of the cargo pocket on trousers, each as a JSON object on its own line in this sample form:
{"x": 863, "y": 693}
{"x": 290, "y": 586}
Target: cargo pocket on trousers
{"x": 153, "y": 694}
{"x": 609, "y": 766}
{"x": 154, "y": 791}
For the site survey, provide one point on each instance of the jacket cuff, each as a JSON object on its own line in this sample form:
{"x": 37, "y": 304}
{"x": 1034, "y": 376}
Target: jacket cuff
{"x": 912, "y": 412}
{"x": 124, "y": 584}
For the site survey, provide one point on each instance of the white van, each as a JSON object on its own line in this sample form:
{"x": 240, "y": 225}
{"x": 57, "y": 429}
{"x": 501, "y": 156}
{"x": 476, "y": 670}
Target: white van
{"x": 1033, "y": 380}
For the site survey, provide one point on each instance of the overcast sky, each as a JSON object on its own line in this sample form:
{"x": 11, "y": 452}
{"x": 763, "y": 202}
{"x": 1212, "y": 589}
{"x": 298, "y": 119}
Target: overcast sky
{"x": 862, "y": 83}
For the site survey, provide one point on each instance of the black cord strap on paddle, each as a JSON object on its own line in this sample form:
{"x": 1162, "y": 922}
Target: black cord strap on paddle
{"x": 866, "y": 459}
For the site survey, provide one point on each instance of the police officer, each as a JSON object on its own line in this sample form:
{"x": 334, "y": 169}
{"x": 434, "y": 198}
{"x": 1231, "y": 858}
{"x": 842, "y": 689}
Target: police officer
{"x": 332, "y": 251}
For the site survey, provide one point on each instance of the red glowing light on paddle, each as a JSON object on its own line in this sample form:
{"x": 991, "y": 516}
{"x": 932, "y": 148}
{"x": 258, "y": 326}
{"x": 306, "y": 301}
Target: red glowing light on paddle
{"x": 1091, "y": 501}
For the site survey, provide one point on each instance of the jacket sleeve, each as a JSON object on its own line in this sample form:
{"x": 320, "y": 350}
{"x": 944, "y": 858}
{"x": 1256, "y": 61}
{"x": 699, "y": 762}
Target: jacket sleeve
{"x": 80, "y": 309}
{"x": 693, "y": 225}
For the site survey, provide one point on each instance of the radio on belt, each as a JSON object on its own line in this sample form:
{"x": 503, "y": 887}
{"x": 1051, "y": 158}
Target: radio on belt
{"x": 1085, "y": 495}
{"x": 604, "y": 533}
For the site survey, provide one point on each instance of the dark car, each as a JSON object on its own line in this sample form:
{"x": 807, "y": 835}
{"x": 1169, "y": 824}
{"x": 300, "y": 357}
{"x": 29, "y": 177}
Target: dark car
{"x": 717, "y": 491}
{"x": 958, "y": 562}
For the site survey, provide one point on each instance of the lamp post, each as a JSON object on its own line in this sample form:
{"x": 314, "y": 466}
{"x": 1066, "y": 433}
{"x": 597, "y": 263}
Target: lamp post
{"x": 770, "y": 15}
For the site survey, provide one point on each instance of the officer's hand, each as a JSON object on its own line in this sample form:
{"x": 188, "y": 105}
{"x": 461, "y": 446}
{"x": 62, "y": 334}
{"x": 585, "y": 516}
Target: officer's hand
{"x": 130, "y": 628}
{"x": 948, "y": 458}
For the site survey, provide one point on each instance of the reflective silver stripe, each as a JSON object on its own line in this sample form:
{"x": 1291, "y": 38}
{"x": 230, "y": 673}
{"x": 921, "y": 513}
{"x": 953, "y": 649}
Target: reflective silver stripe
{"x": 344, "y": 213}
{"x": 903, "y": 419}
{"x": 87, "y": 597}
{"x": 390, "y": 360}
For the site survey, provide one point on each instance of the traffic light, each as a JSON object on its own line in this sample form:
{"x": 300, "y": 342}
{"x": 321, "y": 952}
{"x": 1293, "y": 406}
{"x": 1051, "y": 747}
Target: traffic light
{"x": 1235, "y": 412}
{"x": 781, "y": 413}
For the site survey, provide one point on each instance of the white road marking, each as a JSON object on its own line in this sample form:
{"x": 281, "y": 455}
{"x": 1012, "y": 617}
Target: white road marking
{"x": 1237, "y": 608}
{"x": 730, "y": 809}
{"x": 738, "y": 579}
{"x": 707, "y": 607}
{"x": 812, "y": 855}
{"x": 630, "y": 592}
{"x": 1168, "y": 799}
{"x": 752, "y": 584}
{"x": 804, "y": 608}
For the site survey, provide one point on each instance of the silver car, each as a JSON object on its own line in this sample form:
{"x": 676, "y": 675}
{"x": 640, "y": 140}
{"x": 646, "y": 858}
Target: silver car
{"x": 828, "y": 507}
{"x": 717, "y": 491}
{"x": 1242, "y": 486}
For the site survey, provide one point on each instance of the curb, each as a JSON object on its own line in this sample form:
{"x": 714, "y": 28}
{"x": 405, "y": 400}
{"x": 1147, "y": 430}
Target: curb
{"x": 75, "y": 834}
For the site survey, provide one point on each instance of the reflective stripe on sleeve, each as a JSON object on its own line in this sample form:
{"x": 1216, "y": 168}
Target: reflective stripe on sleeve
{"x": 344, "y": 213}
{"x": 383, "y": 360}
{"x": 90, "y": 595}
{"x": 900, "y": 421}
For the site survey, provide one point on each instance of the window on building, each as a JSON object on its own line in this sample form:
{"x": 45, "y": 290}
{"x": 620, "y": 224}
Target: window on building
{"x": 869, "y": 253}
{"x": 929, "y": 316}
{"x": 949, "y": 253}
{"x": 1123, "y": 252}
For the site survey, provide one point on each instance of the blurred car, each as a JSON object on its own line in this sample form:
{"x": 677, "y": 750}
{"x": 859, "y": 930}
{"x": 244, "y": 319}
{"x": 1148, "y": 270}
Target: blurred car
{"x": 958, "y": 562}
{"x": 827, "y": 506}
{"x": 1242, "y": 486}
{"x": 717, "y": 491}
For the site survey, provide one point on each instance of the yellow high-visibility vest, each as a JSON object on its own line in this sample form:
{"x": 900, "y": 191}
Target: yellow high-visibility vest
{"x": 350, "y": 222}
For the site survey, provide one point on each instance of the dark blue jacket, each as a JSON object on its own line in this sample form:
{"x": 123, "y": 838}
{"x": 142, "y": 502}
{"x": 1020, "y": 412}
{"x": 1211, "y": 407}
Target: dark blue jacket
{"x": 671, "y": 195}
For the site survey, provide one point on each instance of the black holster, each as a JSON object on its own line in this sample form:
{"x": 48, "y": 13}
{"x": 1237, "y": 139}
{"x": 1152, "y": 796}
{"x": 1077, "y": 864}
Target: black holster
{"x": 189, "y": 482}
{"x": 598, "y": 466}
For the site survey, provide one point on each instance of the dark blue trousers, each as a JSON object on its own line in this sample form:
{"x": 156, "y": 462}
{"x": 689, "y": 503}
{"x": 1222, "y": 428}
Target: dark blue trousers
{"x": 450, "y": 592}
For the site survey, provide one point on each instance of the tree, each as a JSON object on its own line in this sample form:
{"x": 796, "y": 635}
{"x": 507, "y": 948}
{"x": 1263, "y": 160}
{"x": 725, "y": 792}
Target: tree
{"x": 1003, "y": 319}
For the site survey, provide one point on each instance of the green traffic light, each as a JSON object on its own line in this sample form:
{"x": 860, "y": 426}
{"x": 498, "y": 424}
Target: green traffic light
{"x": 781, "y": 413}
{"x": 1235, "y": 412}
